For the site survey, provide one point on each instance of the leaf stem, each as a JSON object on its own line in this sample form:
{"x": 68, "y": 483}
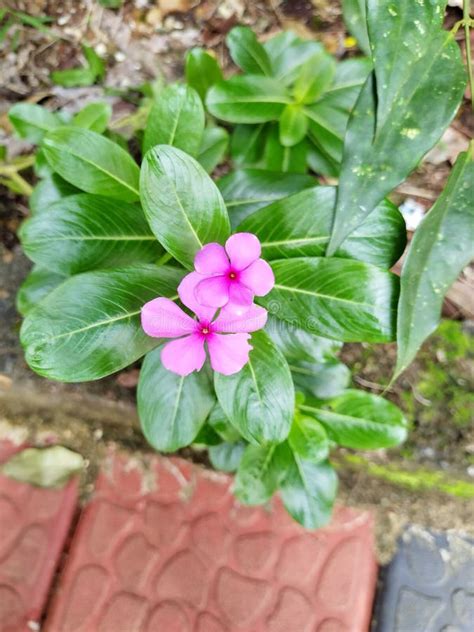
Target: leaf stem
{"x": 467, "y": 25}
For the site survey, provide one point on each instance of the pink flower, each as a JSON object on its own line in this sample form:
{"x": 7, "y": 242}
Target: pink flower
{"x": 233, "y": 275}
{"x": 226, "y": 337}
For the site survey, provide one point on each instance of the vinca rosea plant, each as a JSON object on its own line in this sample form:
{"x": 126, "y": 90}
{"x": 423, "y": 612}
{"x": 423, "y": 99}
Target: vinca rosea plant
{"x": 239, "y": 292}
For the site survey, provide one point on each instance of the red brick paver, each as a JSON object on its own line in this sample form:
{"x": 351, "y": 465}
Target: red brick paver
{"x": 34, "y": 524}
{"x": 169, "y": 550}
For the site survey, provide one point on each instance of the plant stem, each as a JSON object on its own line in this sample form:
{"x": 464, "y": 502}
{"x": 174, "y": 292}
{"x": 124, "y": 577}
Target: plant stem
{"x": 467, "y": 20}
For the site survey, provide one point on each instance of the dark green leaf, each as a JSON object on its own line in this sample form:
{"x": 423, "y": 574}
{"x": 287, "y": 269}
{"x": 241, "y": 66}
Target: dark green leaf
{"x": 87, "y": 232}
{"x": 213, "y": 147}
{"x": 285, "y": 159}
{"x": 308, "y": 439}
{"x": 327, "y": 126}
{"x": 442, "y": 246}
{"x": 202, "y": 71}
{"x": 182, "y": 204}
{"x": 246, "y": 146}
{"x": 360, "y": 420}
{"x": 37, "y": 285}
{"x": 288, "y": 53}
{"x": 247, "y": 52}
{"x": 335, "y": 298}
{"x": 89, "y": 326}
{"x": 226, "y": 456}
{"x": 94, "y": 116}
{"x": 260, "y": 472}
{"x": 92, "y": 163}
{"x": 355, "y": 17}
{"x": 323, "y": 380}
{"x": 49, "y": 190}
{"x": 293, "y": 125}
{"x": 259, "y": 400}
{"x": 172, "y": 408}
{"x": 32, "y": 121}
{"x": 218, "y": 421}
{"x": 177, "y": 119}
{"x": 300, "y": 226}
{"x": 207, "y": 437}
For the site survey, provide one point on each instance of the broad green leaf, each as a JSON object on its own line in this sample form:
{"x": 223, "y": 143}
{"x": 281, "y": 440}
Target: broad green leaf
{"x": 177, "y": 119}
{"x": 218, "y": 421}
{"x": 202, "y": 71}
{"x": 259, "y": 400}
{"x": 247, "y": 190}
{"x": 49, "y": 190}
{"x": 226, "y": 456}
{"x": 260, "y": 472}
{"x": 87, "y": 232}
{"x": 248, "y": 99}
{"x": 94, "y": 116}
{"x": 314, "y": 78}
{"x": 247, "y": 52}
{"x": 74, "y": 77}
{"x": 350, "y": 76}
{"x": 207, "y": 437}
{"x": 92, "y": 162}
{"x": 288, "y": 53}
{"x": 326, "y": 128}
{"x": 284, "y": 159}
{"x": 182, "y": 204}
{"x": 293, "y": 125}
{"x": 32, "y": 121}
{"x": 37, "y": 285}
{"x": 308, "y": 439}
{"x": 323, "y": 380}
{"x": 320, "y": 162}
{"x": 44, "y": 467}
{"x": 213, "y": 147}
{"x": 89, "y": 326}
{"x": 300, "y": 226}
{"x": 360, "y": 420}
{"x": 335, "y": 298}
{"x": 172, "y": 408}
{"x": 426, "y": 95}
{"x": 355, "y": 17}
{"x": 443, "y": 244}
{"x": 309, "y": 492}
{"x": 246, "y": 145}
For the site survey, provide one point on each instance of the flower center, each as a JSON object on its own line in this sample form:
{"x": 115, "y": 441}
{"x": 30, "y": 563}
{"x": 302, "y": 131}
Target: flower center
{"x": 232, "y": 276}
{"x": 205, "y": 330}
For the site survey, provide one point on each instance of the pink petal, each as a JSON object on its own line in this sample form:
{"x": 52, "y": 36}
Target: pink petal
{"x": 162, "y": 318}
{"x": 255, "y": 318}
{"x": 240, "y": 299}
{"x": 185, "y": 355}
{"x": 212, "y": 259}
{"x": 228, "y": 353}
{"x": 258, "y": 277}
{"x": 243, "y": 249}
{"x": 213, "y": 291}
{"x": 187, "y": 294}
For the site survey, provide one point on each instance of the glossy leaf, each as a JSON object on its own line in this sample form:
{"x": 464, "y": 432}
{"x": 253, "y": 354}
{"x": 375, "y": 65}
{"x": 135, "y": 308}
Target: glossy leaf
{"x": 293, "y": 125}
{"x": 247, "y": 52}
{"x": 218, "y": 421}
{"x": 49, "y": 190}
{"x": 300, "y": 226}
{"x": 355, "y": 17}
{"x": 246, "y": 146}
{"x": 172, "y": 408}
{"x": 202, "y": 71}
{"x": 182, "y": 204}
{"x": 335, "y": 298}
{"x": 226, "y": 456}
{"x": 213, "y": 147}
{"x": 92, "y": 162}
{"x": 247, "y": 99}
{"x": 308, "y": 439}
{"x": 443, "y": 244}
{"x": 176, "y": 118}
{"x": 288, "y": 53}
{"x": 37, "y": 285}
{"x": 260, "y": 472}
{"x": 89, "y": 326}
{"x": 360, "y": 420}
{"x": 314, "y": 78}
{"x": 285, "y": 159}
{"x": 94, "y": 116}
{"x": 323, "y": 380}
{"x": 32, "y": 121}
{"x": 350, "y": 76}
{"x": 259, "y": 400}
{"x": 87, "y": 232}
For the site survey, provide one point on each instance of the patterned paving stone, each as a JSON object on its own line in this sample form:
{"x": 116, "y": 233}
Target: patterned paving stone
{"x": 429, "y": 585}
{"x": 34, "y": 524}
{"x": 166, "y": 548}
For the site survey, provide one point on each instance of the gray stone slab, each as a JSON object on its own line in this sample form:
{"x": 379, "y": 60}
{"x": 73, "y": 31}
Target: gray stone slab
{"x": 429, "y": 585}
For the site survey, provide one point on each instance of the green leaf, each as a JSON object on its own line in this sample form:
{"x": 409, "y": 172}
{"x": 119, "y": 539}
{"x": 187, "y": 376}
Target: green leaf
{"x": 37, "y": 285}
{"x": 355, "y": 17}
{"x": 285, "y": 159}
{"x": 92, "y": 163}
{"x": 202, "y": 71}
{"x": 81, "y": 77}
{"x": 182, "y": 204}
{"x": 89, "y": 326}
{"x": 32, "y": 121}
{"x": 172, "y": 408}
{"x": 335, "y": 298}
{"x": 351, "y": 74}
{"x": 308, "y": 439}
{"x": 177, "y": 119}
{"x": 425, "y": 95}
{"x": 247, "y": 190}
{"x": 260, "y": 472}
{"x": 49, "y": 190}
{"x": 360, "y": 420}
{"x": 300, "y": 226}
{"x": 226, "y": 456}
{"x": 441, "y": 247}
{"x": 247, "y": 52}
{"x": 288, "y": 53}
{"x": 309, "y": 492}
{"x": 44, "y": 467}
{"x": 259, "y": 400}
{"x": 207, "y": 437}
{"x": 86, "y": 232}
{"x": 213, "y": 147}
{"x": 94, "y": 61}
{"x": 323, "y": 380}
{"x": 94, "y": 116}
{"x": 248, "y": 99}
{"x": 246, "y": 146}
{"x": 314, "y": 78}
{"x": 218, "y": 421}
{"x": 293, "y": 125}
